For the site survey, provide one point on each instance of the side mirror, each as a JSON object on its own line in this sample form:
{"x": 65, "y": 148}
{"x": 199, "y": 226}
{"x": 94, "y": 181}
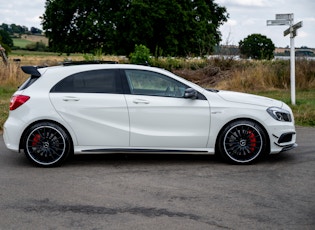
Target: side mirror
{"x": 191, "y": 93}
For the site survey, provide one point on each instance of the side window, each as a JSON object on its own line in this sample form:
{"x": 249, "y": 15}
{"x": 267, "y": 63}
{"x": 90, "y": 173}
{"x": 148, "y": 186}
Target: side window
{"x": 28, "y": 82}
{"x": 153, "y": 84}
{"x": 95, "y": 81}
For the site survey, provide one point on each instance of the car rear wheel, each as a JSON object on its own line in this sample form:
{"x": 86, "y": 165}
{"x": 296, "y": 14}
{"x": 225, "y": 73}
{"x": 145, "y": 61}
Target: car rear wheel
{"x": 46, "y": 144}
{"x": 242, "y": 142}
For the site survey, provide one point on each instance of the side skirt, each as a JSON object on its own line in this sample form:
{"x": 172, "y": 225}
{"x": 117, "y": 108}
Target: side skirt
{"x": 149, "y": 151}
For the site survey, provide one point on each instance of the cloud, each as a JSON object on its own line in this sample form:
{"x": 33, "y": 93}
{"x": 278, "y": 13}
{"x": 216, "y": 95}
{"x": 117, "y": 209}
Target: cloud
{"x": 302, "y": 34}
{"x": 246, "y": 3}
{"x": 312, "y": 20}
{"x": 231, "y": 22}
{"x": 24, "y": 13}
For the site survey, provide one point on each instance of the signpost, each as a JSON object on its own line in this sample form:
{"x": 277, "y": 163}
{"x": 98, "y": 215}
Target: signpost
{"x": 287, "y": 19}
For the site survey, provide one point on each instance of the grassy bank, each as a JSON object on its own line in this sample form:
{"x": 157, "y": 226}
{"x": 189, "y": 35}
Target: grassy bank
{"x": 267, "y": 78}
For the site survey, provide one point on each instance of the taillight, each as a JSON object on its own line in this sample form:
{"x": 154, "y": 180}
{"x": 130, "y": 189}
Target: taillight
{"x": 17, "y": 101}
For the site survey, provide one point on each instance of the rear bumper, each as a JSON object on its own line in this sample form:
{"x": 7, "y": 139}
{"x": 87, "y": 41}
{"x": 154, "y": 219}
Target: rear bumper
{"x": 11, "y": 135}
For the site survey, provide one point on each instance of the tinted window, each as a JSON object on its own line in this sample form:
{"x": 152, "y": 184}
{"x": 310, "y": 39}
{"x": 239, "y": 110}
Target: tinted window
{"x": 153, "y": 84}
{"x": 28, "y": 82}
{"x": 96, "y": 81}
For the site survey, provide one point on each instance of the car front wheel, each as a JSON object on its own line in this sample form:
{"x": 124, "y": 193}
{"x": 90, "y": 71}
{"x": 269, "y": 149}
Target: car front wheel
{"x": 46, "y": 144}
{"x": 242, "y": 142}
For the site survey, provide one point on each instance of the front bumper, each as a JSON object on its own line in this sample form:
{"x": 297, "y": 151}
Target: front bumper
{"x": 282, "y": 141}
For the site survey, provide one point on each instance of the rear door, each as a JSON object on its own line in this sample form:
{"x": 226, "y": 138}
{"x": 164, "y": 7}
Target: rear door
{"x": 93, "y": 104}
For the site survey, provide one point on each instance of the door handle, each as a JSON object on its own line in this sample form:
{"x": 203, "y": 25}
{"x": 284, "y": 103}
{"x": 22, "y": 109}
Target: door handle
{"x": 140, "y": 101}
{"x": 71, "y": 99}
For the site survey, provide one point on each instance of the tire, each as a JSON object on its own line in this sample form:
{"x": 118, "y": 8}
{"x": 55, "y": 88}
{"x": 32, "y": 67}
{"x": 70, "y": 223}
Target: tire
{"x": 46, "y": 144}
{"x": 242, "y": 142}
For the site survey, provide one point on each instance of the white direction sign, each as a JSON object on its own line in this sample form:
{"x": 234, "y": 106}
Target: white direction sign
{"x": 287, "y": 19}
{"x": 293, "y": 28}
{"x": 278, "y": 22}
{"x": 284, "y": 16}
{"x": 297, "y": 25}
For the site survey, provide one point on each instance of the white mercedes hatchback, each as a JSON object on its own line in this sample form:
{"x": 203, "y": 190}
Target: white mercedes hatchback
{"x": 109, "y": 108}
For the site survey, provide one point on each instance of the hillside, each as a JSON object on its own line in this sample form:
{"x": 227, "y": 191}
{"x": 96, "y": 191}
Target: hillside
{"x": 26, "y": 39}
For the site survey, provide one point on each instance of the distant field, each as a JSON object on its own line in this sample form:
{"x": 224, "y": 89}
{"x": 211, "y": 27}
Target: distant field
{"x": 28, "y": 39}
{"x": 22, "y": 43}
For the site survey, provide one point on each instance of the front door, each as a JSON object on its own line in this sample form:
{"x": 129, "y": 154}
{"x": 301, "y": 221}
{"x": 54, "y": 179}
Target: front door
{"x": 160, "y": 116}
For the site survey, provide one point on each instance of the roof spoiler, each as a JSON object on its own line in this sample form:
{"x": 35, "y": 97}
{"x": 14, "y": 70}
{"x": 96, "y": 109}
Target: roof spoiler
{"x": 68, "y": 63}
{"x": 33, "y": 70}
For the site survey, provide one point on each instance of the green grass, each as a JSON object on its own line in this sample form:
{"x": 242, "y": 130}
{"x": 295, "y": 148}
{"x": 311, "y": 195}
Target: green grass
{"x": 22, "y": 43}
{"x": 5, "y": 95}
{"x": 304, "y": 110}
{"x": 38, "y": 53}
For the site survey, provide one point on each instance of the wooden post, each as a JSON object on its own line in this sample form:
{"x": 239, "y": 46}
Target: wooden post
{"x": 3, "y": 55}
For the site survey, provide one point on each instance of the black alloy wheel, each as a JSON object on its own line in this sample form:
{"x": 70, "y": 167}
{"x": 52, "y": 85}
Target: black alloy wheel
{"x": 46, "y": 144}
{"x": 242, "y": 142}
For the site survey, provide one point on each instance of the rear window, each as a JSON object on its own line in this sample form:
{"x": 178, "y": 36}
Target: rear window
{"x": 95, "y": 81}
{"x": 28, "y": 82}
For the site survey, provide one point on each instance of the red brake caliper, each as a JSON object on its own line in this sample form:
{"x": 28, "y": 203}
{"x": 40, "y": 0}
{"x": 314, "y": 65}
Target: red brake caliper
{"x": 36, "y": 139}
{"x": 252, "y": 140}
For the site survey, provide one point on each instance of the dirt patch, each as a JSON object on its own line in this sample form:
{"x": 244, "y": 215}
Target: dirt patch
{"x": 208, "y": 76}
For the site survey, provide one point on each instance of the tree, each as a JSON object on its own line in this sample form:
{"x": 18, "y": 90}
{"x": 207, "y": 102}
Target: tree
{"x": 14, "y": 29}
{"x": 5, "y": 38}
{"x": 35, "y": 30}
{"x": 257, "y": 46}
{"x": 173, "y": 27}
{"x": 5, "y": 41}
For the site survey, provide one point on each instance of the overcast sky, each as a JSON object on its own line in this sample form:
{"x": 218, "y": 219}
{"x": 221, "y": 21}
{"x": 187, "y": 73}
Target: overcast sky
{"x": 246, "y": 17}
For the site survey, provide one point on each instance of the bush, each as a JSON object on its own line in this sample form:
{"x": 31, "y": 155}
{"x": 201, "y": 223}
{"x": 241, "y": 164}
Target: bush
{"x": 36, "y": 46}
{"x": 6, "y": 48}
{"x": 141, "y": 55}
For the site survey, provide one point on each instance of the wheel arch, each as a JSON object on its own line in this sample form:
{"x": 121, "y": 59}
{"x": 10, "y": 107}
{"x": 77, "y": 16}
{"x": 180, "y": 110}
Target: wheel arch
{"x": 244, "y": 119}
{"x": 40, "y": 121}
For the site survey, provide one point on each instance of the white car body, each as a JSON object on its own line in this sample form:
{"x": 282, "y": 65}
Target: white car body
{"x": 127, "y": 122}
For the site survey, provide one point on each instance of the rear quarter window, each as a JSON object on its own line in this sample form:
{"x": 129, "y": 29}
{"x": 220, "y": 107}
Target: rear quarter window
{"x": 28, "y": 82}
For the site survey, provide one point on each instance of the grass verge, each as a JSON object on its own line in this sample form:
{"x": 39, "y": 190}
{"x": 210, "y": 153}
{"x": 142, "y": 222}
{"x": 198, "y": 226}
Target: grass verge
{"x": 5, "y": 95}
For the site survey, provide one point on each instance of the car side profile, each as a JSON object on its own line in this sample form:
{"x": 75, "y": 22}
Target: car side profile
{"x": 110, "y": 108}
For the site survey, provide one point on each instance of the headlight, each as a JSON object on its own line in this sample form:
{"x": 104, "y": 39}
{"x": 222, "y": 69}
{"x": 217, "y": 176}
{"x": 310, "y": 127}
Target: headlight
{"x": 279, "y": 114}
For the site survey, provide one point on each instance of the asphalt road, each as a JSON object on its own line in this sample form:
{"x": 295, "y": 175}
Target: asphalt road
{"x": 160, "y": 192}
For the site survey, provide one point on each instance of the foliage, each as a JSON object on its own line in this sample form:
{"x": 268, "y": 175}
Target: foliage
{"x": 14, "y": 29}
{"x": 257, "y": 46}
{"x": 36, "y": 46}
{"x": 177, "y": 27}
{"x": 97, "y": 55}
{"x": 18, "y": 29}
{"x": 6, "y": 41}
{"x": 5, "y": 38}
{"x": 141, "y": 55}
